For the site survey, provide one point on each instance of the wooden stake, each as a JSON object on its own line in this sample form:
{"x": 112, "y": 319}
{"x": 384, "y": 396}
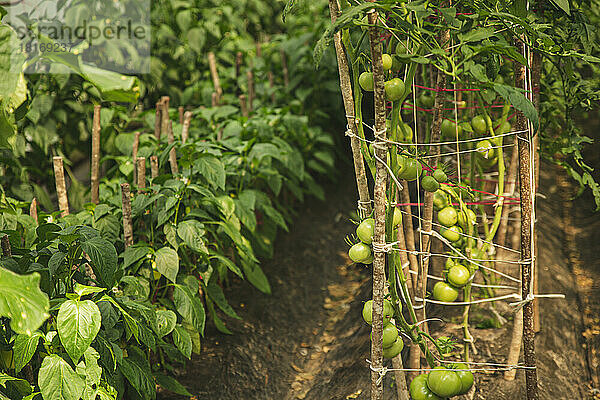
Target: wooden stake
{"x": 250, "y": 77}
{"x": 172, "y": 153}
{"x": 5, "y": 244}
{"x": 181, "y": 111}
{"x": 141, "y": 174}
{"x": 127, "y": 223}
{"x": 379, "y": 208}
{"x": 214, "y": 99}
{"x": 238, "y": 64}
{"x": 510, "y": 190}
{"x": 185, "y": 130}
{"x": 212, "y": 64}
{"x": 348, "y": 98}
{"x": 158, "y": 120}
{"x": 154, "y": 166}
{"x": 136, "y": 145}
{"x": 96, "y": 155}
{"x": 61, "y": 187}
{"x": 536, "y": 72}
{"x": 258, "y": 49}
{"x": 243, "y": 105}
{"x": 286, "y": 77}
{"x": 33, "y": 213}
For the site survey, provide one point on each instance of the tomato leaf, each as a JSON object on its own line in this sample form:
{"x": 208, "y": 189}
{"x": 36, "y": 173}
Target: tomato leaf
{"x": 58, "y": 381}
{"x": 78, "y": 323}
{"x": 519, "y": 101}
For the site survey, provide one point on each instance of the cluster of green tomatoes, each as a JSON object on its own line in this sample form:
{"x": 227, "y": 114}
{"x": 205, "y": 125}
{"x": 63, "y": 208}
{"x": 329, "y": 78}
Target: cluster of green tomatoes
{"x": 394, "y": 87}
{"x": 392, "y": 342}
{"x": 361, "y": 252}
{"x": 442, "y": 382}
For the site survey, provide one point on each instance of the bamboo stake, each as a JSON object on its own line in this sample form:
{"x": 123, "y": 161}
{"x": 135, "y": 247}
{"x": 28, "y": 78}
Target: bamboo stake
{"x": 164, "y": 112}
{"x": 61, "y": 187}
{"x": 136, "y": 145}
{"x": 96, "y": 155}
{"x": 379, "y": 207}
{"x": 141, "y": 173}
{"x": 214, "y": 99}
{"x": 212, "y": 64}
{"x": 185, "y": 130}
{"x": 286, "y": 77}
{"x": 154, "y": 166}
{"x": 172, "y": 153}
{"x": 536, "y": 72}
{"x": 5, "y": 244}
{"x": 181, "y": 111}
{"x": 127, "y": 223}
{"x": 238, "y": 64}
{"x": 243, "y": 106}
{"x": 348, "y": 98}
{"x": 158, "y": 120}
{"x": 250, "y": 77}
{"x": 33, "y": 213}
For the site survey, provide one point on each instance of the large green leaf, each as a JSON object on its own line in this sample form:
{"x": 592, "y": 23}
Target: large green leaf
{"x": 167, "y": 263}
{"x": 190, "y": 307}
{"x": 22, "y": 301}
{"x": 191, "y": 232}
{"x": 212, "y": 169}
{"x": 563, "y": 5}
{"x": 24, "y": 348}
{"x": 256, "y": 276}
{"x": 113, "y": 86}
{"x": 137, "y": 371}
{"x": 11, "y": 63}
{"x": 520, "y": 102}
{"x": 78, "y": 323}
{"x": 183, "y": 341}
{"x": 165, "y": 322}
{"x": 104, "y": 258}
{"x": 58, "y": 381}
{"x": 169, "y": 383}
{"x": 216, "y": 294}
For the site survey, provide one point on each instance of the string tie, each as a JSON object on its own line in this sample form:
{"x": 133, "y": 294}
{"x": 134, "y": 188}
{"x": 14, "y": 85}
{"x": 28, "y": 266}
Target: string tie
{"x": 382, "y": 371}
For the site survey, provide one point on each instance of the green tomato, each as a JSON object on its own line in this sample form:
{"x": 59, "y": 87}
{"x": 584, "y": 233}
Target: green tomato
{"x": 397, "y": 218}
{"x": 440, "y": 175}
{"x": 394, "y": 349}
{"x": 388, "y": 312}
{"x": 366, "y": 82}
{"x": 365, "y": 230}
{"x": 504, "y": 127}
{"x": 444, "y": 382}
{"x": 470, "y": 216}
{"x": 408, "y": 168}
{"x": 359, "y": 252}
{"x": 478, "y": 124}
{"x": 485, "y": 149}
{"x": 407, "y": 132}
{"x": 369, "y": 260}
{"x": 394, "y": 89}
{"x": 466, "y": 377}
{"x": 420, "y": 391}
{"x": 390, "y": 334}
{"x": 397, "y": 64}
{"x": 449, "y": 129}
{"x": 458, "y": 275}
{"x": 386, "y": 60}
{"x": 452, "y": 233}
{"x": 401, "y": 48}
{"x": 440, "y": 200}
{"x": 429, "y": 183}
{"x": 444, "y": 292}
{"x": 426, "y": 101}
{"x": 447, "y": 216}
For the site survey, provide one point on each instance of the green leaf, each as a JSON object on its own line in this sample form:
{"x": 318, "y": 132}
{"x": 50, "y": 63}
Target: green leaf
{"x": 520, "y": 102}
{"x": 92, "y": 373}
{"x": 134, "y": 254}
{"x": 256, "y": 276}
{"x": 228, "y": 264}
{"x": 136, "y": 287}
{"x": 58, "y": 381}
{"x": 22, "y": 301}
{"x": 113, "y": 86}
{"x": 136, "y": 370}
{"x": 103, "y": 256}
{"x": 11, "y": 62}
{"x": 165, "y": 322}
{"x": 196, "y": 38}
{"x": 182, "y": 341}
{"x": 191, "y": 232}
{"x": 563, "y": 5}
{"x": 226, "y": 205}
{"x": 190, "y": 307}
{"x": 83, "y": 290}
{"x": 216, "y": 294}
{"x": 169, "y": 383}
{"x": 212, "y": 169}
{"x": 476, "y": 35}
{"x": 167, "y": 263}
{"x": 24, "y": 348}
{"x": 262, "y": 150}
{"x": 78, "y": 323}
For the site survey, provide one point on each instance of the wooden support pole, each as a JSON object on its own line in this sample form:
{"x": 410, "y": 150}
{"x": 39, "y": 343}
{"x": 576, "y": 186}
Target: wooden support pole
{"x": 173, "y": 152}
{"x": 258, "y": 49}
{"x": 348, "y": 99}
{"x": 181, "y": 111}
{"x": 214, "y": 99}
{"x": 5, "y": 244}
{"x": 238, "y": 64}
{"x": 61, "y": 187}
{"x": 212, "y": 64}
{"x": 127, "y": 222}
{"x": 154, "y": 166}
{"x": 96, "y": 155}
{"x": 250, "y": 77}
{"x": 141, "y": 174}
{"x": 380, "y": 209}
{"x": 243, "y": 106}
{"x": 536, "y": 75}
{"x": 158, "y": 120}
{"x": 185, "y": 130}
{"x": 284, "y": 67}
{"x": 136, "y": 145}
{"x": 33, "y": 212}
